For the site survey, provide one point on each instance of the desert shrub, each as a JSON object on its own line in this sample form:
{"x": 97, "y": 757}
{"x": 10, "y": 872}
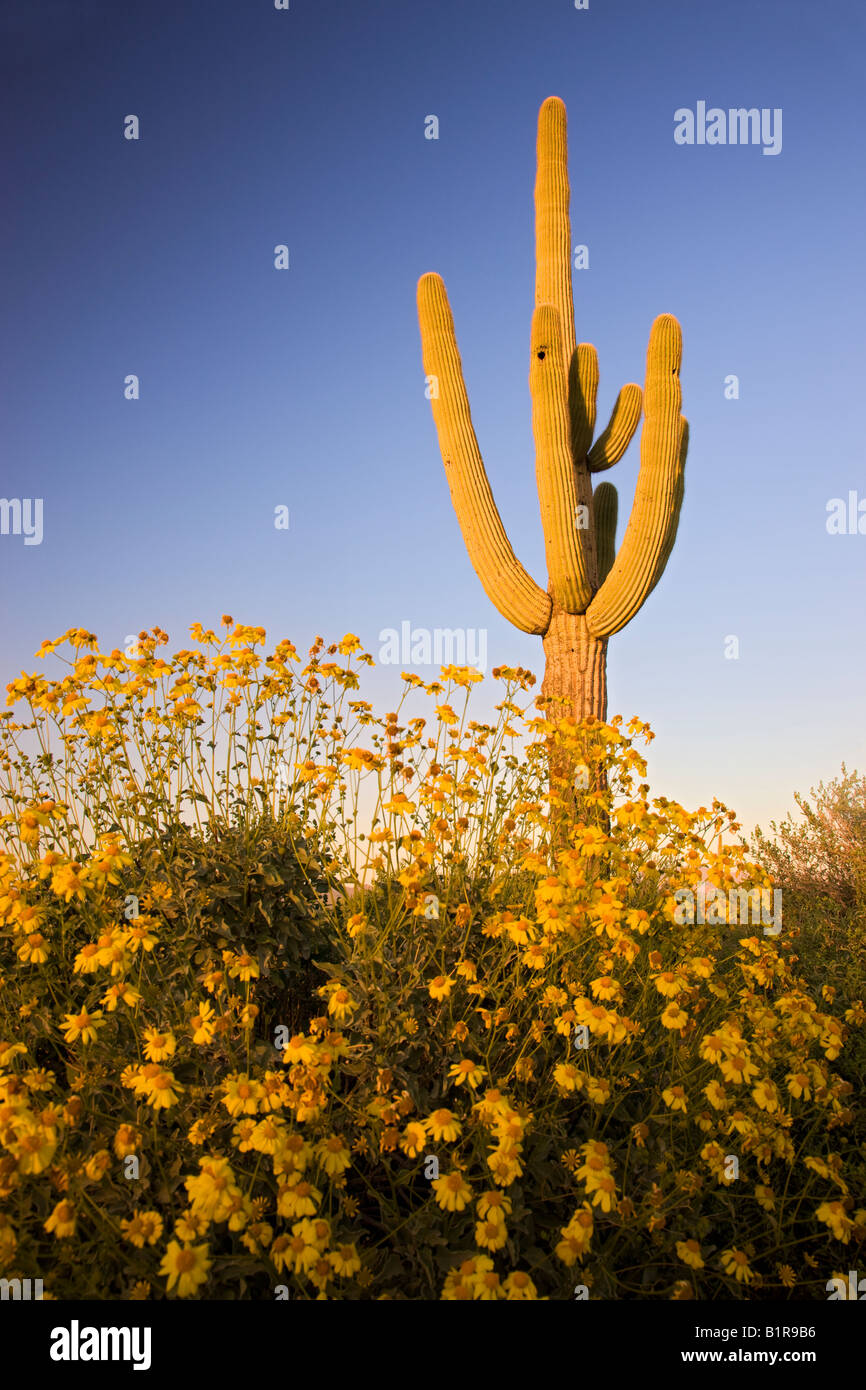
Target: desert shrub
{"x": 256, "y": 888}
{"x": 526, "y": 1075}
{"x": 819, "y": 862}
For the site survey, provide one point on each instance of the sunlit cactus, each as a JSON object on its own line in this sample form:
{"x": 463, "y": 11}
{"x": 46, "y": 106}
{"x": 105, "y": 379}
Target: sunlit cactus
{"x": 592, "y": 590}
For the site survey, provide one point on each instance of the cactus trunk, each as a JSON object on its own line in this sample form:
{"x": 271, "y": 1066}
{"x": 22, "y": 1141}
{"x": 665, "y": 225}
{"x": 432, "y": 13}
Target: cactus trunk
{"x": 575, "y": 672}
{"x": 575, "y": 680}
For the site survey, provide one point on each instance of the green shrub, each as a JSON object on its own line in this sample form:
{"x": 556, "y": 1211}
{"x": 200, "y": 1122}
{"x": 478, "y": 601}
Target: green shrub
{"x": 819, "y": 862}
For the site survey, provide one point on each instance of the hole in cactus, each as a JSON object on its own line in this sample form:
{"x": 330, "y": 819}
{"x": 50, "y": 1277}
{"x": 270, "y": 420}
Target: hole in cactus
{"x": 541, "y": 356}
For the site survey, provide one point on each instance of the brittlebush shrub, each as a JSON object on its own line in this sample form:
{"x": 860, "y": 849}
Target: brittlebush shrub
{"x": 421, "y": 1033}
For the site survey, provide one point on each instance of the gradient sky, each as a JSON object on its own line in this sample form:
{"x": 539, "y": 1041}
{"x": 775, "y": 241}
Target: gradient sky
{"x": 305, "y": 387}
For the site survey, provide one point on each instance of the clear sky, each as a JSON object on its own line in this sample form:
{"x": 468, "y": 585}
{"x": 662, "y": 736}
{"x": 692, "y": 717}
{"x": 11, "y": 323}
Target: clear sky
{"x": 304, "y": 387}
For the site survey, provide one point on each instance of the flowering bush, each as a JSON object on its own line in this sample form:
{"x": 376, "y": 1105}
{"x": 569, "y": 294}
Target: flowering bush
{"x": 301, "y": 1001}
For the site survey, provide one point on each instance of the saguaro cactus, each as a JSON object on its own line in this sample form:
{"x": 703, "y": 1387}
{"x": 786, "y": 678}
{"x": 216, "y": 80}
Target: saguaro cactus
{"x": 592, "y": 590}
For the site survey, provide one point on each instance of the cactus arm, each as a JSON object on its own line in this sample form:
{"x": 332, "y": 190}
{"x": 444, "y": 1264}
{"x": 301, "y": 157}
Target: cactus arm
{"x": 612, "y": 443}
{"x": 582, "y": 391}
{"x": 605, "y": 507}
{"x": 555, "y": 474}
{"x": 507, "y": 584}
{"x": 635, "y": 568}
{"x": 673, "y": 525}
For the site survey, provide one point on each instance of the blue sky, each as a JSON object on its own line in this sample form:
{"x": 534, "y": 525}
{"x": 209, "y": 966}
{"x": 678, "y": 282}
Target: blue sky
{"x": 304, "y": 388}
